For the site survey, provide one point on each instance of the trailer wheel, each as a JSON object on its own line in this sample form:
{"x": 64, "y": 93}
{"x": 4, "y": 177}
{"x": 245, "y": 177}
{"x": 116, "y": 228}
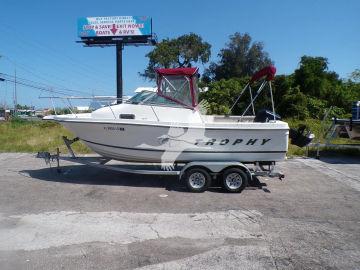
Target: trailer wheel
{"x": 234, "y": 180}
{"x": 197, "y": 180}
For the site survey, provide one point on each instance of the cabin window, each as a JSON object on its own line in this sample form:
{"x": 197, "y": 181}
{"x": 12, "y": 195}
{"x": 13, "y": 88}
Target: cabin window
{"x": 141, "y": 97}
{"x": 159, "y": 100}
{"x": 176, "y": 88}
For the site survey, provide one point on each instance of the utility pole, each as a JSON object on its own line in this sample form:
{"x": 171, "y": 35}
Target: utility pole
{"x": 15, "y": 90}
{"x": 15, "y": 95}
{"x": 4, "y": 101}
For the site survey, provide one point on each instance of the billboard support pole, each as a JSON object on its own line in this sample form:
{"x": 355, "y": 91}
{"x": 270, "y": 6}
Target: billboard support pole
{"x": 119, "y": 78}
{"x": 119, "y": 31}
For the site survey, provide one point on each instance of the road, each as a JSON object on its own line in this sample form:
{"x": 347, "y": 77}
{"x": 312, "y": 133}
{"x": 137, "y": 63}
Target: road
{"x": 87, "y": 218}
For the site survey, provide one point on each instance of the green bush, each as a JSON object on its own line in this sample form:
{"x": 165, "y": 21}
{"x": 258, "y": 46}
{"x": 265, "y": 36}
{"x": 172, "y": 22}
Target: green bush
{"x": 222, "y": 94}
{"x": 308, "y": 92}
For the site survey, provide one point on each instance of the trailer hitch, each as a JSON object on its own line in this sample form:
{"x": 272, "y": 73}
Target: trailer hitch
{"x": 50, "y": 158}
{"x": 46, "y": 156}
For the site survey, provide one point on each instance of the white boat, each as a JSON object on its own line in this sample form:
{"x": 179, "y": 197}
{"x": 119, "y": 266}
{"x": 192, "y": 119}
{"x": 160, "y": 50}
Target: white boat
{"x": 169, "y": 126}
{"x": 348, "y": 126}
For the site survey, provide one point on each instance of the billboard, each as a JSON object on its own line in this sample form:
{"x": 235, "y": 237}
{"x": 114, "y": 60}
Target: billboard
{"x": 114, "y": 26}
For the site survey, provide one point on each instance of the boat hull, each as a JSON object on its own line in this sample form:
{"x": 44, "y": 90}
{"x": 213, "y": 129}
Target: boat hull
{"x": 353, "y": 131}
{"x": 352, "y": 127}
{"x": 138, "y": 142}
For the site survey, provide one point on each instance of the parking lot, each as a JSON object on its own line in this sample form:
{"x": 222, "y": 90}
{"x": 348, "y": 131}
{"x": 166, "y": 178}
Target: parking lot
{"x": 88, "y": 218}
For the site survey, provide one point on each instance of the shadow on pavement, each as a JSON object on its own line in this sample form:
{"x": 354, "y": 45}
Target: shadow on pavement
{"x": 83, "y": 174}
{"x": 340, "y": 159}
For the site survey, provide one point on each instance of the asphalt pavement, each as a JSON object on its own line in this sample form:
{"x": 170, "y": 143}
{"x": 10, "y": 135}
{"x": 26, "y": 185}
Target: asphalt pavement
{"x": 89, "y": 218}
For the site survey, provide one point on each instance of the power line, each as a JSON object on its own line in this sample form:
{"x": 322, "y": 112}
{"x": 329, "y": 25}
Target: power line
{"x": 48, "y": 86}
{"x": 85, "y": 69}
{"x": 39, "y": 86}
{"x": 60, "y": 87}
{"x": 28, "y": 70}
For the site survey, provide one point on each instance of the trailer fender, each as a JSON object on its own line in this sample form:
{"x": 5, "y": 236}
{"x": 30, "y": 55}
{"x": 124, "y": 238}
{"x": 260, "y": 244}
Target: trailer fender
{"x": 215, "y": 167}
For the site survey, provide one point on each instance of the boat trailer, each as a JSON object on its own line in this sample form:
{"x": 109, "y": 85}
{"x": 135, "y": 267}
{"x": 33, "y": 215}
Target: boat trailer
{"x": 198, "y": 175}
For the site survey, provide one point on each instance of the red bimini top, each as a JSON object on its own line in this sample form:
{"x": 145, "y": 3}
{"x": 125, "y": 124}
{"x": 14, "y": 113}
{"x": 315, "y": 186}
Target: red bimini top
{"x": 269, "y": 72}
{"x": 177, "y": 71}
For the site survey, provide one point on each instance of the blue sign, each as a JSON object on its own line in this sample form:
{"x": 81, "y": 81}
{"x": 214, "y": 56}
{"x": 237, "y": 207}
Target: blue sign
{"x": 114, "y": 26}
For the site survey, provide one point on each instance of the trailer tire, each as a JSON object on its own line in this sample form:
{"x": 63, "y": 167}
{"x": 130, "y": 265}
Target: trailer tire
{"x": 235, "y": 180}
{"x": 197, "y": 179}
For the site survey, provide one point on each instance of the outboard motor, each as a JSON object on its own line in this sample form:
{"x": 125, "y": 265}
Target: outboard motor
{"x": 265, "y": 116}
{"x": 301, "y": 137}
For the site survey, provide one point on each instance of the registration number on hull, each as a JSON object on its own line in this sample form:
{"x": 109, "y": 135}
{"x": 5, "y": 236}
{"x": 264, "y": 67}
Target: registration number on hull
{"x": 114, "y": 128}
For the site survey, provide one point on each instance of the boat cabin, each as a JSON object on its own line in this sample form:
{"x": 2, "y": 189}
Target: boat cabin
{"x": 176, "y": 99}
{"x": 176, "y": 87}
{"x": 179, "y": 85}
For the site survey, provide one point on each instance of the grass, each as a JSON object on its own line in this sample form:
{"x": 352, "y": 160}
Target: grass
{"x": 34, "y": 136}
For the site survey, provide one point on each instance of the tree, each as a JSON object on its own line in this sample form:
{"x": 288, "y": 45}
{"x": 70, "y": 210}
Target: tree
{"x": 23, "y": 107}
{"x": 222, "y": 94}
{"x": 241, "y": 57}
{"x": 183, "y": 51}
{"x": 314, "y": 78}
{"x": 323, "y": 88}
{"x": 282, "y": 85}
{"x": 355, "y": 75}
{"x": 307, "y": 92}
{"x": 294, "y": 104}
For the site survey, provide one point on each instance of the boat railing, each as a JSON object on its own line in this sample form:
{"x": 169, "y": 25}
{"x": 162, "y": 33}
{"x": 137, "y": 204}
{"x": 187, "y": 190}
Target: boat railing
{"x": 104, "y": 101}
{"x": 265, "y": 75}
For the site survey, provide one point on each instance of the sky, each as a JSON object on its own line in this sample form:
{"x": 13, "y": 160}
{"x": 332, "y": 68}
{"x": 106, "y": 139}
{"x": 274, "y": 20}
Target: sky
{"x": 38, "y": 38}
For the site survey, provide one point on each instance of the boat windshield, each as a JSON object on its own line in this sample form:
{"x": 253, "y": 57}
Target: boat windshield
{"x": 151, "y": 98}
{"x": 140, "y": 97}
{"x": 176, "y": 88}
